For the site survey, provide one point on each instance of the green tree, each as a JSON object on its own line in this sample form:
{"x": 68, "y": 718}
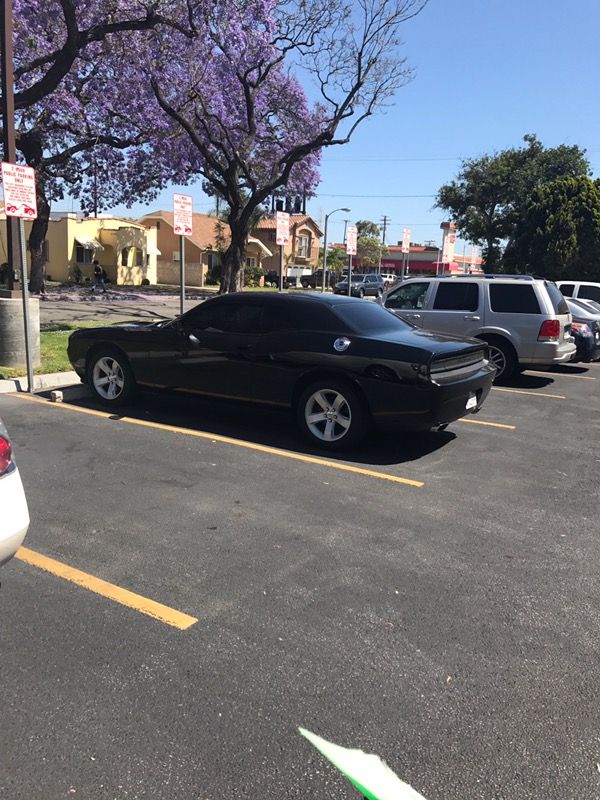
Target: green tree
{"x": 368, "y": 246}
{"x": 559, "y": 233}
{"x": 490, "y": 196}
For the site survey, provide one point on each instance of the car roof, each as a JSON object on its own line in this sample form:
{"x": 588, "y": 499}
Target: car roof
{"x": 291, "y": 297}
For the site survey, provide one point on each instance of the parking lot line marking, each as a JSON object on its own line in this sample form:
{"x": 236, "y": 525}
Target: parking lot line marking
{"x": 216, "y": 437}
{"x": 524, "y": 391}
{"x": 560, "y": 374}
{"x": 123, "y": 596}
{"x": 488, "y": 424}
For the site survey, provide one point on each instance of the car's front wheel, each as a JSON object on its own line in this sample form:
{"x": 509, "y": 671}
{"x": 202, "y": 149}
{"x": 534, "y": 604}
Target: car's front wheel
{"x": 332, "y": 414}
{"x": 110, "y": 377}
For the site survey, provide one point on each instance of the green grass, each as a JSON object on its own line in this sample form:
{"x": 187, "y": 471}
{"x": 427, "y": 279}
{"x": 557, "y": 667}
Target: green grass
{"x": 53, "y": 349}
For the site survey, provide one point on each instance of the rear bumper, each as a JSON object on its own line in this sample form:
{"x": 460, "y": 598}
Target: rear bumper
{"x": 397, "y": 406}
{"x": 15, "y": 515}
{"x": 551, "y": 353}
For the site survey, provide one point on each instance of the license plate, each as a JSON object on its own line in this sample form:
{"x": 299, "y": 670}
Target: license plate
{"x": 471, "y": 402}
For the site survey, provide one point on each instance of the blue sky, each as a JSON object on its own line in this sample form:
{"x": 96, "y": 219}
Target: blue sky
{"x": 486, "y": 73}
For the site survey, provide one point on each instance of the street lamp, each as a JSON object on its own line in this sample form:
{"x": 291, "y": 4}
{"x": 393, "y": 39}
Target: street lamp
{"x": 348, "y": 210}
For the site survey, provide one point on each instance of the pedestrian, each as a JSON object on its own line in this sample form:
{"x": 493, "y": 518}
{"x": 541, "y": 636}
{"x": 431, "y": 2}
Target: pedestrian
{"x": 99, "y": 276}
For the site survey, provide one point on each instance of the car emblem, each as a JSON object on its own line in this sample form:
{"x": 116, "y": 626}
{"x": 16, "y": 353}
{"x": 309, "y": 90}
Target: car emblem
{"x": 341, "y": 344}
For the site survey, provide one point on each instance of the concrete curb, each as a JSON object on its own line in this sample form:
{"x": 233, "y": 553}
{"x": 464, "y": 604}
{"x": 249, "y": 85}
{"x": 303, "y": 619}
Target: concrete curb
{"x": 54, "y": 380}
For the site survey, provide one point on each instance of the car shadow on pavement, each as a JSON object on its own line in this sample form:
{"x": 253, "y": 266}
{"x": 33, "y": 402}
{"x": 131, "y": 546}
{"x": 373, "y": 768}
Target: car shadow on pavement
{"x": 273, "y": 428}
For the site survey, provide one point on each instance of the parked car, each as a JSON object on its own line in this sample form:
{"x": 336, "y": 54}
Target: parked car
{"x": 362, "y": 286}
{"x": 389, "y": 279}
{"x": 340, "y": 364}
{"x": 272, "y": 279}
{"x": 315, "y": 281}
{"x": 524, "y": 320}
{"x": 585, "y": 329}
{"x": 13, "y": 505}
{"x": 582, "y": 290}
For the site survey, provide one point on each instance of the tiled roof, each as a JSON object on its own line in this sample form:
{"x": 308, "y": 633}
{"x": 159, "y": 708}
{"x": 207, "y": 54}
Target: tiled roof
{"x": 204, "y": 233}
{"x": 268, "y": 223}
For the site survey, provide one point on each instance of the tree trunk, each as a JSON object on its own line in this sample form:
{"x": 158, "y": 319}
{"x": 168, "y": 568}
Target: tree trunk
{"x": 37, "y": 237}
{"x": 234, "y": 256}
{"x": 491, "y": 255}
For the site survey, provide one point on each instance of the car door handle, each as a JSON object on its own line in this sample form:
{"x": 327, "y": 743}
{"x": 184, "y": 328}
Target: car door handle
{"x": 414, "y": 316}
{"x": 193, "y": 339}
{"x": 472, "y": 317}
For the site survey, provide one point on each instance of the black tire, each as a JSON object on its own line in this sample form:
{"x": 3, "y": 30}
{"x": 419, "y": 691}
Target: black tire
{"x": 304, "y": 284}
{"x": 351, "y": 409}
{"x": 117, "y": 361}
{"x": 361, "y": 293}
{"x": 502, "y": 355}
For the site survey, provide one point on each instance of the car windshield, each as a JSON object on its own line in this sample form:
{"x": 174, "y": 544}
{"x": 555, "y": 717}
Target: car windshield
{"x": 367, "y": 318}
{"x": 590, "y": 306}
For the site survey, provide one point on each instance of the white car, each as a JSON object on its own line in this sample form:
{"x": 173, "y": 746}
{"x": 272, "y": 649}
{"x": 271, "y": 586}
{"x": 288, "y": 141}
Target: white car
{"x": 14, "y": 516}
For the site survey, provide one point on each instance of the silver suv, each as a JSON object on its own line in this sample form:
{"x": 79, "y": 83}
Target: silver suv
{"x": 525, "y": 320}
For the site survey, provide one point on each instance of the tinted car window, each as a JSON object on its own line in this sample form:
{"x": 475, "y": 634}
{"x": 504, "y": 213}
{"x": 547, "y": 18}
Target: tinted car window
{"x": 225, "y": 318}
{"x": 514, "y": 298}
{"x": 567, "y": 289}
{"x": 559, "y": 304}
{"x": 410, "y": 295}
{"x": 457, "y": 296}
{"x": 368, "y": 318}
{"x": 300, "y": 316}
{"x": 589, "y": 292}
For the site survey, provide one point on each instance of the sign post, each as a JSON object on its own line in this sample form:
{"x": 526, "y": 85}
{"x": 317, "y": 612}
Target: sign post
{"x": 282, "y": 237}
{"x": 182, "y": 227}
{"x": 474, "y": 256}
{"x": 406, "y": 232}
{"x": 20, "y": 201}
{"x": 351, "y": 240}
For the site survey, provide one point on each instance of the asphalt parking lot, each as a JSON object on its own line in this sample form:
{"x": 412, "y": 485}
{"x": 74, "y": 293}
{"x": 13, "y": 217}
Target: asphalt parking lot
{"x": 433, "y": 600}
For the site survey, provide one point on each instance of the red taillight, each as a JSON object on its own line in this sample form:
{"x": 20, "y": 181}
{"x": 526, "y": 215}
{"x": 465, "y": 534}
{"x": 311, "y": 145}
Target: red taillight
{"x": 550, "y": 330}
{"x": 5, "y": 455}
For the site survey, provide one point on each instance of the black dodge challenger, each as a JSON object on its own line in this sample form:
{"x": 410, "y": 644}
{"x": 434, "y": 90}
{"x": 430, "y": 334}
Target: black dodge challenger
{"x": 339, "y": 363}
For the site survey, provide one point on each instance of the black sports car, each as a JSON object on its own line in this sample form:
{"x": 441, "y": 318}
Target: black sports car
{"x": 339, "y": 363}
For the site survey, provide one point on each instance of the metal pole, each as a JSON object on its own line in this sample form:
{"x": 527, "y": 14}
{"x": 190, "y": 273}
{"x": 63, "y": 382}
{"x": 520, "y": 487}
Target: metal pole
{"x": 281, "y": 268}
{"x": 25, "y": 295}
{"x": 325, "y": 255}
{"x": 181, "y": 272}
{"x": 350, "y": 275}
{"x": 8, "y": 124}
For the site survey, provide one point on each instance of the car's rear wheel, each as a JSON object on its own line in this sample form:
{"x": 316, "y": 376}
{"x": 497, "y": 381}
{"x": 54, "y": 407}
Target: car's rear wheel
{"x": 110, "y": 377}
{"x": 503, "y": 357}
{"x": 332, "y": 414}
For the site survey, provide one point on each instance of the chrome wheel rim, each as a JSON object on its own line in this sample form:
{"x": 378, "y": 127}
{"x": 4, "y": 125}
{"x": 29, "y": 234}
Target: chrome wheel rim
{"x": 327, "y": 414}
{"x": 498, "y": 359}
{"x": 108, "y": 378}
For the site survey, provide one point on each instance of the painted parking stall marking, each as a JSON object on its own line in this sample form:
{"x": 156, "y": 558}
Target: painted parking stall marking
{"x": 487, "y": 424}
{"x": 144, "y": 605}
{"x": 215, "y": 437}
{"x": 560, "y": 375}
{"x": 526, "y": 391}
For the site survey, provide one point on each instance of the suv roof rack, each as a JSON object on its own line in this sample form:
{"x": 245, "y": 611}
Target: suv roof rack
{"x": 491, "y": 276}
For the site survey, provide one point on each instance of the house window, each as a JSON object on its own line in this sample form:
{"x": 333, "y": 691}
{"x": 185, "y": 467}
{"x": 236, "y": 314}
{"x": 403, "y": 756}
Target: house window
{"x": 139, "y": 257}
{"x": 125, "y": 256}
{"x": 83, "y": 255}
{"x": 213, "y": 260}
{"x": 251, "y": 261}
{"x": 272, "y": 236}
{"x": 303, "y": 246}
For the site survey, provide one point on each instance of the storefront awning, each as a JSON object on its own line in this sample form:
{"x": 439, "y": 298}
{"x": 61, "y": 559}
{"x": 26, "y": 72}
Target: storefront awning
{"x": 88, "y": 243}
{"x": 264, "y": 250}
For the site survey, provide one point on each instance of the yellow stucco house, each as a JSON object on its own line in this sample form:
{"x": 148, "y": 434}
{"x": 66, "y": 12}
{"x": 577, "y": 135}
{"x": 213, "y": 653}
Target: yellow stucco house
{"x": 127, "y": 250}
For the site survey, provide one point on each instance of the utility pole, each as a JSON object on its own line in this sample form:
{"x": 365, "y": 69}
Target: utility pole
{"x": 8, "y": 126}
{"x": 384, "y": 224}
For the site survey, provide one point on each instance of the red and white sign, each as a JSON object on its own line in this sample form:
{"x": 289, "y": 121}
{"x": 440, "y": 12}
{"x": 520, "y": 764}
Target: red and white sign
{"x": 282, "y": 221}
{"x": 449, "y": 246}
{"x": 351, "y": 237}
{"x": 182, "y": 214}
{"x": 406, "y": 240}
{"x": 19, "y": 191}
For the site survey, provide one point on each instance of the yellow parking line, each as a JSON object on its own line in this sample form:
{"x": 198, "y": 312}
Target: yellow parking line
{"x": 123, "y": 596}
{"x": 488, "y": 424}
{"x": 533, "y": 394}
{"x": 560, "y": 374}
{"x": 215, "y": 437}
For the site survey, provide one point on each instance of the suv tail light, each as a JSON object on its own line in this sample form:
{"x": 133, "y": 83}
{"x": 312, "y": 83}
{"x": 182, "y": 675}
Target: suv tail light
{"x": 549, "y": 330}
{"x": 5, "y": 455}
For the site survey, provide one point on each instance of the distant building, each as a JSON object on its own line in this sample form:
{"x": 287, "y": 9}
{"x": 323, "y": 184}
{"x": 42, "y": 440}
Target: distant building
{"x": 302, "y": 250}
{"x": 422, "y": 260}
